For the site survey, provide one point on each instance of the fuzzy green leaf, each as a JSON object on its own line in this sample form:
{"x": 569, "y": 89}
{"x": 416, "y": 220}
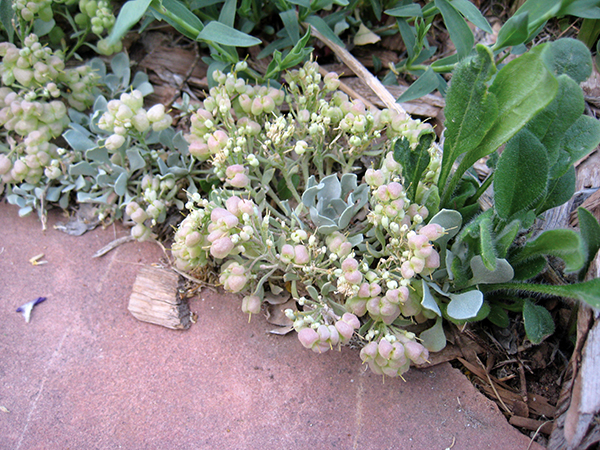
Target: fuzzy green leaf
{"x": 564, "y": 244}
{"x": 521, "y": 176}
{"x": 470, "y": 109}
{"x": 590, "y": 235}
{"x": 498, "y": 316}
{"x": 559, "y": 191}
{"x": 588, "y": 291}
{"x": 551, "y": 124}
{"x": 579, "y": 140}
{"x": 525, "y": 270}
{"x": 538, "y": 322}
{"x": 506, "y": 237}
{"x": 569, "y": 56}
{"x": 523, "y": 88}
{"x": 488, "y": 251}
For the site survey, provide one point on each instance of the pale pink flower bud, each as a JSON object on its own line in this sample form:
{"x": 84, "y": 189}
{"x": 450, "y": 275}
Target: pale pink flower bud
{"x": 384, "y": 348}
{"x": 374, "y": 178}
{"x": 433, "y": 231}
{"x": 382, "y": 193}
{"x": 416, "y": 352}
{"x": 199, "y": 149}
{"x": 193, "y": 239}
{"x": 308, "y": 337}
{"x": 349, "y": 265}
{"x": 394, "y": 190}
{"x": 369, "y": 351}
{"x": 287, "y": 254}
{"x": 114, "y": 142}
{"x": 407, "y": 270}
{"x": 233, "y": 205}
{"x": 251, "y": 304}
{"x": 221, "y": 247}
{"x": 351, "y": 320}
{"x": 353, "y": 277}
{"x": 156, "y": 113}
{"x": 433, "y": 260}
{"x": 301, "y": 254}
{"x": 344, "y": 329}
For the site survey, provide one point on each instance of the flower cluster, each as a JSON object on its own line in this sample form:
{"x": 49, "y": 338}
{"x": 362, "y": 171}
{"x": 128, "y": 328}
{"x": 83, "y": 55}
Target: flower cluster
{"x": 349, "y": 250}
{"x": 392, "y": 354}
{"x": 128, "y": 116}
{"x": 28, "y": 10}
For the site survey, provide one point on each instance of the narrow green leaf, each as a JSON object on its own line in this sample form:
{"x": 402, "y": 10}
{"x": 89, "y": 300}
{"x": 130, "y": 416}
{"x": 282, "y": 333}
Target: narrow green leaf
{"x": 460, "y": 33}
{"x": 322, "y": 27}
{"x": 226, "y": 35}
{"x": 538, "y": 322}
{"x": 514, "y": 32}
{"x": 227, "y": 14}
{"x": 130, "y": 14}
{"x": 412, "y": 10}
{"x": 470, "y": 109}
{"x": 290, "y": 24}
{"x": 521, "y": 176}
{"x": 424, "y": 85}
{"x": 472, "y": 13}
{"x": 179, "y": 16}
{"x": 409, "y": 37}
{"x": 590, "y": 235}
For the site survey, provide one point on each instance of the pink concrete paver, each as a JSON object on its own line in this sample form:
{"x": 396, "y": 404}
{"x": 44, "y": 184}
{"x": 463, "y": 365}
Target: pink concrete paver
{"x": 84, "y": 374}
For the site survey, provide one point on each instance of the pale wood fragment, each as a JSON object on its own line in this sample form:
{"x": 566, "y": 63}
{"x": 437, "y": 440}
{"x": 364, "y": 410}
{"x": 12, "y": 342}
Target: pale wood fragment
{"x": 155, "y": 299}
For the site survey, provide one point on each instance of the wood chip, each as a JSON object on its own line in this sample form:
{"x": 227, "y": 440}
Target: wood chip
{"x": 155, "y": 299}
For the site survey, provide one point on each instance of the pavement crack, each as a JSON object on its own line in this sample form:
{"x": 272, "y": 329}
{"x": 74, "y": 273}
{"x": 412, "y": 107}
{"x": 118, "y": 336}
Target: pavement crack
{"x": 359, "y": 411}
{"x": 41, "y": 388}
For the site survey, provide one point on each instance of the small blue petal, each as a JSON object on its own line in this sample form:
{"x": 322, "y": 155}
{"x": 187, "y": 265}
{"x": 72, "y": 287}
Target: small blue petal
{"x": 28, "y": 307}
